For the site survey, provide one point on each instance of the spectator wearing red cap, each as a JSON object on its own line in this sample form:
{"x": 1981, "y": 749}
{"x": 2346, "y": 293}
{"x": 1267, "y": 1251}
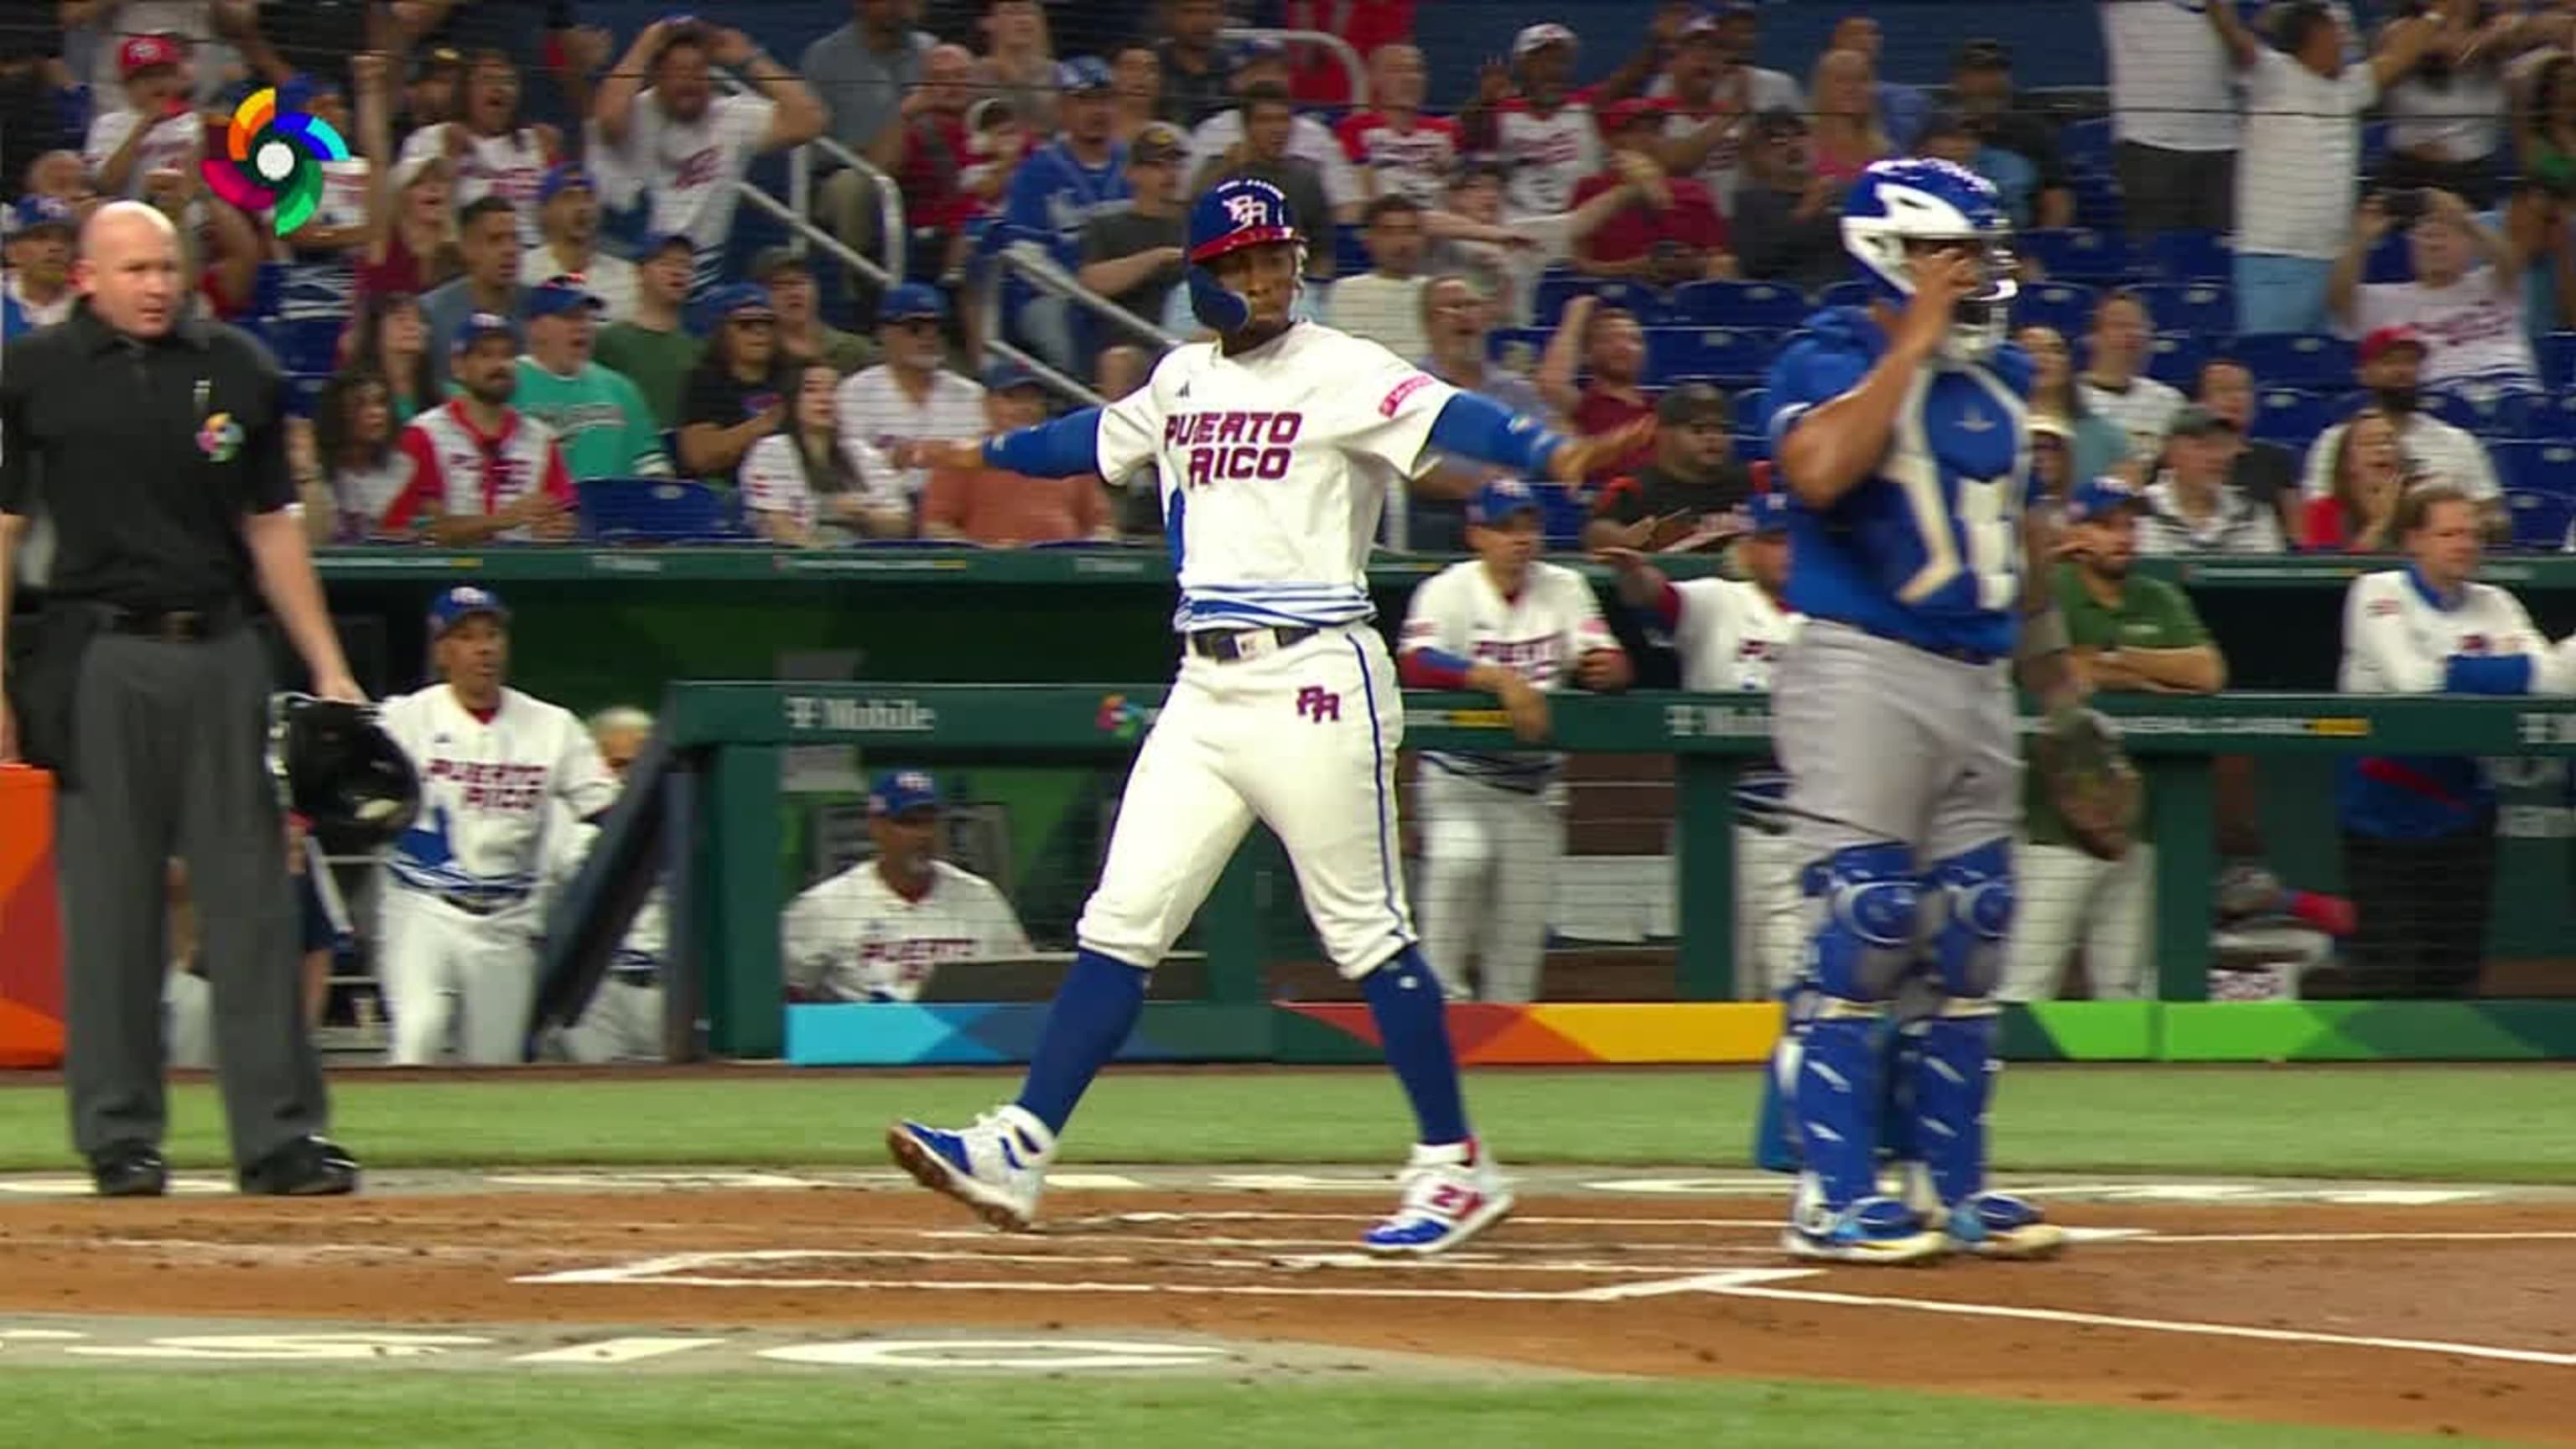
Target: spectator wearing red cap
{"x": 1397, "y": 150}
{"x": 1671, "y": 232}
{"x": 2392, "y": 366}
{"x": 105, "y": 26}
{"x": 156, "y": 129}
{"x": 1614, "y": 352}
{"x": 1528, "y": 119}
{"x": 1316, "y": 76}
{"x": 2465, "y": 301}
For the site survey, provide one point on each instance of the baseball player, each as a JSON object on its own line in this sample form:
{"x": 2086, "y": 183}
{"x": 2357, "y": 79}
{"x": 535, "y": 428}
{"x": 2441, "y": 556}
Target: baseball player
{"x": 623, "y": 1022}
{"x": 1730, "y": 634}
{"x": 1902, "y": 432}
{"x": 1275, "y": 446}
{"x": 456, "y": 942}
{"x": 879, "y": 930}
{"x": 1493, "y": 825}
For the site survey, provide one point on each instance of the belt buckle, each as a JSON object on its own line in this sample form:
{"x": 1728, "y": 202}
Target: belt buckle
{"x": 181, "y": 626}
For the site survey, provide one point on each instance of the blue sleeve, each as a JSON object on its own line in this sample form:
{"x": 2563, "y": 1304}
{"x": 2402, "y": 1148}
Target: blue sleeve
{"x": 1811, "y": 372}
{"x": 1472, "y": 426}
{"x": 1024, "y": 214}
{"x": 2487, "y": 674}
{"x": 1068, "y": 447}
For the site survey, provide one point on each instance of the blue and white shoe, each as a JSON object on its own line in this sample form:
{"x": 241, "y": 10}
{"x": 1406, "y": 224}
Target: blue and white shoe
{"x": 997, "y": 1167}
{"x": 1450, "y": 1194}
{"x": 2000, "y": 1225}
{"x": 1879, "y": 1230}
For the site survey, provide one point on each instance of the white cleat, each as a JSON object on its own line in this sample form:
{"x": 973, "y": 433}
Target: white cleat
{"x": 1450, "y": 1195}
{"x": 1874, "y": 1230}
{"x": 996, "y": 1167}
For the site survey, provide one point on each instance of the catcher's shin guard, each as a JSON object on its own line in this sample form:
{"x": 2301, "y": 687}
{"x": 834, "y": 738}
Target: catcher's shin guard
{"x": 1862, "y": 946}
{"x": 1952, "y": 1050}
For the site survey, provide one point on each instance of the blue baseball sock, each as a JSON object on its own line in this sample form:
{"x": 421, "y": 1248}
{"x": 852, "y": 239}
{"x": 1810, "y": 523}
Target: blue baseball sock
{"x": 1413, "y": 1025}
{"x": 1094, "y": 1010}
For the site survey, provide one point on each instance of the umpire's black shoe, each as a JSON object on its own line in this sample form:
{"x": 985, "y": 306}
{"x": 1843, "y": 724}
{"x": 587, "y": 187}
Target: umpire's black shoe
{"x": 129, "y": 1169}
{"x": 305, "y": 1167}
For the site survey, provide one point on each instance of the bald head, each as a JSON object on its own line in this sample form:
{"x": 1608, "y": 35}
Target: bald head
{"x": 129, "y": 268}
{"x": 620, "y": 733}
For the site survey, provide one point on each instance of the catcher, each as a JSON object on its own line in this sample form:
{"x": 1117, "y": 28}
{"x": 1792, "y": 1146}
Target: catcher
{"x": 1901, "y": 430}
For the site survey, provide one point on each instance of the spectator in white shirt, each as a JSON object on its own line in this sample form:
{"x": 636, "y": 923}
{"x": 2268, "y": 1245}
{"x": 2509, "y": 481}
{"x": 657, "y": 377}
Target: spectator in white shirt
{"x": 2301, "y": 157}
{"x": 2173, "y": 118}
{"x": 2392, "y": 365}
{"x": 155, "y": 129}
{"x": 1710, "y": 86}
{"x": 2465, "y": 303}
{"x": 1506, "y": 259}
{"x": 1530, "y": 121}
{"x": 493, "y": 149}
{"x": 682, "y": 145}
{"x": 1260, "y": 68}
{"x": 1395, "y": 149}
{"x": 568, "y": 211}
{"x": 2115, "y": 385}
{"x": 110, "y": 23}
{"x": 2191, "y": 507}
{"x": 804, "y": 487}
{"x": 1384, "y": 304}
{"x": 910, "y": 397}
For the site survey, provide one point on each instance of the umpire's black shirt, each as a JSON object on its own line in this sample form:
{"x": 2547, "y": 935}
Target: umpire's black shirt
{"x": 148, "y": 455}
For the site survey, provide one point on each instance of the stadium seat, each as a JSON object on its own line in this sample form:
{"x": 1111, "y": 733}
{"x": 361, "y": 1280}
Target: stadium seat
{"x": 2296, "y": 359}
{"x": 2546, "y": 468}
{"x": 1741, "y": 304}
{"x": 2540, "y": 520}
{"x": 2097, "y": 202}
{"x": 1506, "y": 344}
{"x": 2205, "y": 309}
{"x": 2557, "y": 357}
{"x": 1752, "y": 406}
{"x": 1350, "y": 255}
{"x": 1547, "y": 303}
{"x": 2374, "y": 146}
{"x": 2190, "y": 256}
{"x": 2390, "y": 261}
{"x": 2289, "y": 416}
{"x": 1752, "y": 446}
{"x": 1726, "y": 356}
{"x": 306, "y": 344}
{"x": 2066, "y": 307}
{"x": 2086, "y": 145}
{"x": 2496, "y": 415}
{"x": 1845, "y": 294}
{"x": 2174, "y": 359}
{"x": 2555, "y": 418}
{"x": 1562, "y": 514}
{"x": 659, "y": 510}
{"x": 2079, "y": 254}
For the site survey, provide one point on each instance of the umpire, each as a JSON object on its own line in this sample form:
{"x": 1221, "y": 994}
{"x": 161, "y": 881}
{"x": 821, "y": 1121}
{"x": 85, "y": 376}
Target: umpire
{"x": 157, "y": 443}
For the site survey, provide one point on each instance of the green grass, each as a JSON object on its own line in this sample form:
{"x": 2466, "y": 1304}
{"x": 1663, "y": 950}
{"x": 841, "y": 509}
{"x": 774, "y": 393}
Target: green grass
{"x": 2430, "y": 1122}
{"x": 337, "y": 1409}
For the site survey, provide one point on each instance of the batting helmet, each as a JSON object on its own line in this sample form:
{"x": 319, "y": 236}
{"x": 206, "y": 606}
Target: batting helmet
{"x": 336, "y": 767}
{"x": 1238, "y": 212}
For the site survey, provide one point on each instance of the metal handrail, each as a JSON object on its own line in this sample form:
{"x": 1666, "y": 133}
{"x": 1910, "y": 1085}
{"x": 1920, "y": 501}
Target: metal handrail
{"x": 1042, "y": 272}
{"x": 797, "y": 210}
{"x": 1342, "y": 50}
{"x": 817, "y": 236}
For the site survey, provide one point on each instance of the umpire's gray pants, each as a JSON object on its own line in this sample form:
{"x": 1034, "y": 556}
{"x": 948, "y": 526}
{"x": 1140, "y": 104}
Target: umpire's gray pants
{"x": 173, "y": 742}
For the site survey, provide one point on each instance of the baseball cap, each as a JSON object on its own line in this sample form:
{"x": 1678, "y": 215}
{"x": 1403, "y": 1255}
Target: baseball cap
{"x": 1767, "y": 512}
{"x": 1500, "y": 499}
{"x": 2382, "y": 339}
{"x": 33, "y": 213}
{"x": 564, "y": 178}
{"x": 1693, "y": 402}
{"x": 1004, "y": 374}
{"x": 1082, "y": 74}
{"x": 912, "y": 299}
{"x": 901, "y": 792}
{"x": 147, "y": 52}
{"x": 740, "y": 299}
{"x": 2196, "y": 421}
{"x": 566, "y": 292}
{"x": 300, "y": 90}
{"x": 1982, "y": 53}
{"x": 2100, "y": 497}
{"x": 770, "y": 261}
{"x": 666, "y": 241}
{"x": 1158, "y": 141}
{"x": 481, "y": 325}
{"x": 1540, "y": 36}
{"x": 461, "y": 603}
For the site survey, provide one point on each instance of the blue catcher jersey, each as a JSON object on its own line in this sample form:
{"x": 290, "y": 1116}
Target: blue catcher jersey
{"x": 1928, "y": 550}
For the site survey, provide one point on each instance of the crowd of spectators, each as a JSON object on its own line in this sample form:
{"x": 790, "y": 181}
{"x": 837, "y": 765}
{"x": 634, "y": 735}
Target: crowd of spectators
{"x": 511, "y": 164}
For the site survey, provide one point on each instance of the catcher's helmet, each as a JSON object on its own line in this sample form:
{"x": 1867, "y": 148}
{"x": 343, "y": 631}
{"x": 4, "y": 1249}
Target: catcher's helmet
{"x": 1897, "y": 203}
{"x": 1238, "y": 212}
{"x": 336, "y": 767}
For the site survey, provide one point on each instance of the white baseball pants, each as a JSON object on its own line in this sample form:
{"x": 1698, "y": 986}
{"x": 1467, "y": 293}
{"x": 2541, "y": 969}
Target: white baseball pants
{"x": 1489, "y": 859}
{"x": 2062, "y": 896}
{"x": 448, "y": 972}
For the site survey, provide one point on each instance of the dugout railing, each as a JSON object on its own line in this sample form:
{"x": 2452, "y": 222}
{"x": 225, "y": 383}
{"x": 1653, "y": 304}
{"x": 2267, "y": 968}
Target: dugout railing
{"x": 731, "y": 739}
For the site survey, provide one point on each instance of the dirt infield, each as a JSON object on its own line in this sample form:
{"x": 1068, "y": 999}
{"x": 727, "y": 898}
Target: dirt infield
{"x": 2441, "y": 1315}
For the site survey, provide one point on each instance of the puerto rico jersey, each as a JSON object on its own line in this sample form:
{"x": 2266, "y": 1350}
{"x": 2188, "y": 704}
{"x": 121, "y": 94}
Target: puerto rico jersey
{"x": 1538, "y": 634}
{"x": 1275, "y": 466}
{"x": 1415, "y": 163}
{"x": 2399, "y": 637}
{"x": 511, "y": 166}
{"x": 459, "y": 472}
{"x": 487, "y": 790}
{"x": 1730, "y": 635}
{"x": 1926, "y": 551}
{"x": 855, "y": 938}
{"x": 1547, "y": 155}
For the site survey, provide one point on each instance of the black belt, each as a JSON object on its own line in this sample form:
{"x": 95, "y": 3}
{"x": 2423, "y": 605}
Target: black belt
{"x": 171, "y": 626}
{"x": 1229, "y": 646}
{"x": 479, "y": 905}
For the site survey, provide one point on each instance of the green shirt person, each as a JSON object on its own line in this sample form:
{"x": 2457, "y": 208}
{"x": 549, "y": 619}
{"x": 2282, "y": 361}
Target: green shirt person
{"x": 654, "y": 349}
{"x": 599, "y": 418}
{"x": 2129, "y": 635}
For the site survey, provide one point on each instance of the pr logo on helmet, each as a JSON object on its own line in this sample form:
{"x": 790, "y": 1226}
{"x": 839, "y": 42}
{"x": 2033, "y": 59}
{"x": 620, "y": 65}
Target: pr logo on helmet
{"x": 1247, "y": 210}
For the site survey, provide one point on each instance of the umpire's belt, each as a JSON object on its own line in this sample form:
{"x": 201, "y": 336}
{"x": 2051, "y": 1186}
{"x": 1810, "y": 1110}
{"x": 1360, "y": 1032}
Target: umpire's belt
{"x": 1233, "y": 646}
{"x": 171, "y": 626}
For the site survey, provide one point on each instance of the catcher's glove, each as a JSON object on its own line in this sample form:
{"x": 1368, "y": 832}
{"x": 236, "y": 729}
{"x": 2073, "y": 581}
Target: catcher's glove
{"x": 2088, "y": 776}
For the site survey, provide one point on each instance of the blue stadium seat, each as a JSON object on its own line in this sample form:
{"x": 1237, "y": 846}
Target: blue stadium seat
{"x": 2289, "y": 416}
{"x": 1350, "y": 254}
{"x": 2097, "y": 202}
{"x": 1562, "y": 514}
{"x": 2296, "y": 359}
{"x": 2540, "y": 520}
{"x": 2555, "y": 417}
{"x": 1845, "y": 294}
{"x": 659, "y": 510}
{"x": 2207, "y": 309}
{"x": 1547, "y": 303}
{"x": 2086, "y": 145}
{"x": 2079, "y": 254}
{"x": 306, "y": 344}
{"x": 2374, "y": 146}
{"x": 1727, "y": 356}
{"x": 1752, "y": 407}
{"x": 2390, "y": 261}
{"x": 2557, "y": 357}
{"x": 2174, "y": 359}
{"x": 2546, "y": 468}
{"x": 2065, "y": 306}
{"x": 1742, "y": 304}
{"x": 2190, "y": 256}
{"x": 1754, "y": 446}
{"x": 1503, "y": 344}
{"x": 2498, "y": 416}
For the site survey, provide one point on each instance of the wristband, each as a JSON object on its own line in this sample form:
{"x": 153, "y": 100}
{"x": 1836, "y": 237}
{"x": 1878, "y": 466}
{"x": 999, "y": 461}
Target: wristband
{"x": 2042, "y": 634}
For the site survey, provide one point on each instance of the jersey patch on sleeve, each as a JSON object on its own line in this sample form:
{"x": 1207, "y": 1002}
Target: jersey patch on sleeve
{"x": 1394, "y": 399}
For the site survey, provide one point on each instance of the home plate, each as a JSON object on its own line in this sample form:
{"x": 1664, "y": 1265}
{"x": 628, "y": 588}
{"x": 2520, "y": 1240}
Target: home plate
{"x": 2106, "y": 1235}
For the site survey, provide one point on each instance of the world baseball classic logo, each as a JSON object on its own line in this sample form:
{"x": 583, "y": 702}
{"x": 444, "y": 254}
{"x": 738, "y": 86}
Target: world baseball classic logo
{"x": 273, "y": 158}
{"x": 1319, "y": 704}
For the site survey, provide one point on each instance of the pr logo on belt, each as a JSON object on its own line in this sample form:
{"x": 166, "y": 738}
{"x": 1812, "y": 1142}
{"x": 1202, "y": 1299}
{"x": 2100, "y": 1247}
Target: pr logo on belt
{"x": 274, "y": 159}
{"x": 219, "y": 438}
